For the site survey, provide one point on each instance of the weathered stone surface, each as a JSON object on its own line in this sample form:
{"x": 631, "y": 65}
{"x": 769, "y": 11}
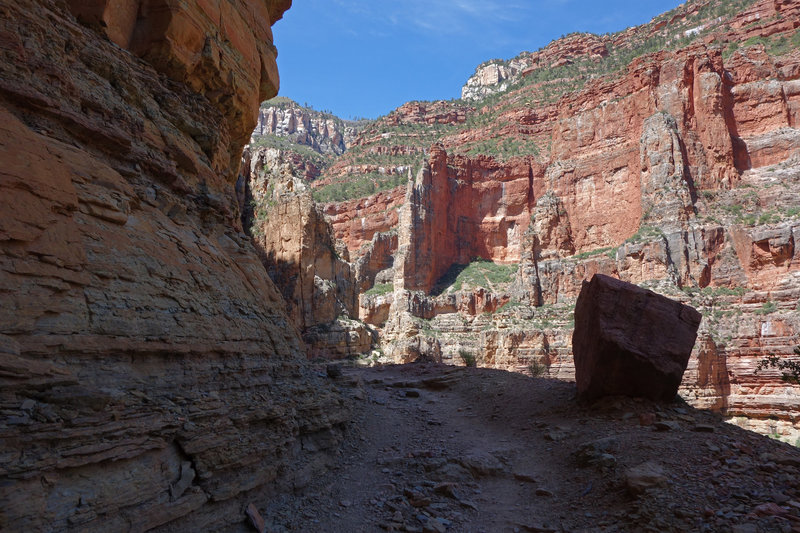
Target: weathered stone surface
{"x": 439, "y": 112}
{"x": 319, "y": 131}
{"x": 666, "y": 194}
{"x": 356, "y": 222}
{"x": 551, "y": 229}
{"x": 493, "y": 77}
{"x": 630, "y": 341}
{"x": 646, "y": 476}
{"x": 296, "y": 245}
{"x": 375, "y": 264}
{"x": 151, "y": 378}
{"x": 222, "y": 50}
{"x": 458, "y": 209}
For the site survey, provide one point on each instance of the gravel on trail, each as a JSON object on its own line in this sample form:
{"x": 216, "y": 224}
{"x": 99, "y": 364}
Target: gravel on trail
{"x": 435, "y": 448}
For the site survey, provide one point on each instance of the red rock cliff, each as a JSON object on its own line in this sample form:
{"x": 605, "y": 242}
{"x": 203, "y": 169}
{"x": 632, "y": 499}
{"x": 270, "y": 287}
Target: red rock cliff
{"x": 678, "y": 171}
{"x": 149, "y": 378}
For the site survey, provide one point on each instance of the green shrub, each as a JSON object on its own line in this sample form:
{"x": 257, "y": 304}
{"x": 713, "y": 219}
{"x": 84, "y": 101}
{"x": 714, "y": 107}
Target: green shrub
{"x": 767, "y": 308}
{"x": 479, "y": 273}
{"x": 380, "y": 289}
{"x": 537, "y": 368}
{"x": 748, "y": 219}
{"x": 645, "y": 233}
{"x": 723, "y": 291}
{"x": 769, "y": 217}
{"x": 753, "y": 41}
{"x": 285, "y": 144}
{"x": 730, "y": 50}
{"x": 357, "y": 186}
{"x": 790, "y": 369}
{"x": 610, "y": 252}
{"x": 502, "y": 148}
{"x": 783, "y": 45}
{"x": 468, "y": 358}
{"x": 735, "y": 210}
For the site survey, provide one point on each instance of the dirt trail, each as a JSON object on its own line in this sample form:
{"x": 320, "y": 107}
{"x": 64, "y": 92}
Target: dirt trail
{"x": 437, "y": 448}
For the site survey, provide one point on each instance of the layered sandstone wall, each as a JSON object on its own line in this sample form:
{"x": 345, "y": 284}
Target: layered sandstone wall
{"x": 681, "y": 175}
{"x": 356, "y": 222}
{"x": 151, "y": 378}
{"x": 296, "y": 245}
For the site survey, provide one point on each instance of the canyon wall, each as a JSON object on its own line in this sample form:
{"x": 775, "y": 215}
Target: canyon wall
{"x": 666, "y": 155}
{"x": 681, "y": 173}
{"x": 151, "y": 377}
{"x": 297, "y": 247}
{"x": 322, "y": 132}
{"x": 495, "y": 77}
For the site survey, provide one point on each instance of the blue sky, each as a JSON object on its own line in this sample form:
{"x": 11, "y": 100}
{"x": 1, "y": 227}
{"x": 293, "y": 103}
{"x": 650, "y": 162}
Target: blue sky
{"x": 363, "y": 58}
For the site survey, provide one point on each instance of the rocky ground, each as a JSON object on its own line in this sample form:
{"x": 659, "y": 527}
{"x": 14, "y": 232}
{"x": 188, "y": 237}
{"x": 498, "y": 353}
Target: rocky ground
{"x": 440, "y": 448}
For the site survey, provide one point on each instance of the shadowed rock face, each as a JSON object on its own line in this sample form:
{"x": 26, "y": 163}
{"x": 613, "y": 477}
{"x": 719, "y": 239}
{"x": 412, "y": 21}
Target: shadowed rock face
{"x": 222, "y": 50}
{"x": 630, "y": 341}
{"x": 297, "y": 248}
{"x": 149, "y": 375}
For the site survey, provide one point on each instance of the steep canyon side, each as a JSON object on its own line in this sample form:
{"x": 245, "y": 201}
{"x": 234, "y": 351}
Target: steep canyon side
{"x": 296, "y": 245}
{"x": 320, "y": 131}
{"x": 667, "y": 155}
{"x": 651, "y": 178}
{"x": 151, "y": 377}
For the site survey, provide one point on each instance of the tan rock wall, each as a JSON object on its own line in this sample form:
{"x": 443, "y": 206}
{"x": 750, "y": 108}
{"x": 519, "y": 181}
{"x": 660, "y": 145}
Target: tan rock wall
{"x": 297, "y": 248}
{"x": 150, "y": 375}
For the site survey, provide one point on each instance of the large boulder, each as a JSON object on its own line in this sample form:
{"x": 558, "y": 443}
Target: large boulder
{"x": 630, "y": 341}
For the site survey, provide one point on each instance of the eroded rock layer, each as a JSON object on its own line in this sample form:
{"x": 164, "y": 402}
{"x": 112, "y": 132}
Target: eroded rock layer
{"x": 296, "y": 245}
{"x": 680, "y": 172}
{"x": 151, "y": 378}
{"x": 321, "y": 132}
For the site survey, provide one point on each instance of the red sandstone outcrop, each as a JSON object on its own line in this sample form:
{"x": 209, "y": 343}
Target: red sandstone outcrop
{"x": 458, "y": 209}
{"x": 151, "y": 378}
{"x": 356, "y": 222}
{"x": 439, "y": 112}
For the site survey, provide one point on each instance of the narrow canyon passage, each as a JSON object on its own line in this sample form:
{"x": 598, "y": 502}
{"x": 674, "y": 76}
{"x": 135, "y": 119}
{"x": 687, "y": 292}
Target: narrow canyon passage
{"x": 437, "y": 448}
{"x": 166, "y": 302}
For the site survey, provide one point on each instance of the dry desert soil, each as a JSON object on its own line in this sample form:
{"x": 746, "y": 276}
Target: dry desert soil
{"x": 438, "y": 448}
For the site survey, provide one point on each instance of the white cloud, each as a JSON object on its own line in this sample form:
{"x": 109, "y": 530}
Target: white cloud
{"x": 444, "y": 17}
